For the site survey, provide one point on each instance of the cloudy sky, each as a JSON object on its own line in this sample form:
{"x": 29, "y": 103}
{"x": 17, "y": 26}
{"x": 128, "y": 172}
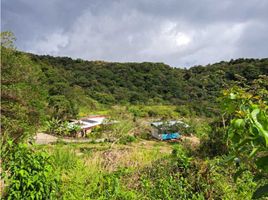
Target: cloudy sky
{"x": 180, "y": 33}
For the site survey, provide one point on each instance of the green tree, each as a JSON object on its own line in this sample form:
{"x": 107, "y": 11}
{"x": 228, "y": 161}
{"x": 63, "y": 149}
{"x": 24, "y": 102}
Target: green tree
{"x": 22, "y": 94}
{"x": 246, "y": 109}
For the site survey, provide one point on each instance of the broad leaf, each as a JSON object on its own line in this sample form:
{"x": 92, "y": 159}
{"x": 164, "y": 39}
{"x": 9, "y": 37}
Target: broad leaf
{"x": 260, "y": 192}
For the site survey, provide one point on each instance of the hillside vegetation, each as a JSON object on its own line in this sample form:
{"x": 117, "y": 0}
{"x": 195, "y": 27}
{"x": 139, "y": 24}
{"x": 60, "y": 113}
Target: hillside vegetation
{"x": 153, "y": 83}
{"x": 225, "y": 105}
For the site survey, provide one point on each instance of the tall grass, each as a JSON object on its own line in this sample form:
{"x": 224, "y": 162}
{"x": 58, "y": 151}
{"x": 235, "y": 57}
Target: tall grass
{"x": 64, "y": 158}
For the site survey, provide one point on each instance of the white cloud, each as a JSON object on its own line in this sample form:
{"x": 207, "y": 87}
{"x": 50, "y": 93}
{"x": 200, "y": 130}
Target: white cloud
{"x": 182, "y": 39}
{"x": 178, "y": 33}
{"x": 51, "y": 44}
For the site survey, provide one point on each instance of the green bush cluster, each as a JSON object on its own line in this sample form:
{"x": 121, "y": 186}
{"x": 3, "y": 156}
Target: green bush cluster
{"x": 215, "y": 142}
{"x": 62, "y": 128}
{"x": 127, "y": 139}
{"x": 193, "y": 90}
{"x": 161, "y": 111}
{"x": 247, "y": 131}
{"x": 28, "y": 174}
{"x": 181, "y": 176}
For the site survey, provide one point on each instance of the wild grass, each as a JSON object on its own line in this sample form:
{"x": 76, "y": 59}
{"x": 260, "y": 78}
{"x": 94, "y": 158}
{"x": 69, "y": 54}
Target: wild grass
{"x": 64, "y": 158}
{"x": 85, "y": 168}
{"x": 141, "y": 170}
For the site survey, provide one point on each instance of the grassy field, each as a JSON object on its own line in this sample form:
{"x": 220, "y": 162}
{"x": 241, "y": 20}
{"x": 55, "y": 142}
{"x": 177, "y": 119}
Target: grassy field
{"x": 84, "y": 167}
{"x": 136, "y": 166}
{"x": 144, "y": 169}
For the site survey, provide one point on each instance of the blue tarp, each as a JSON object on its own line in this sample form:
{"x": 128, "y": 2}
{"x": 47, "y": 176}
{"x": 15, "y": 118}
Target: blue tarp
{"x": 170, "y": 136}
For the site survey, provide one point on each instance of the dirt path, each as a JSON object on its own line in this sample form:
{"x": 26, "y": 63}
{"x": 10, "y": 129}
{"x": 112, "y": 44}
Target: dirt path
{"x": 43, "y": 138}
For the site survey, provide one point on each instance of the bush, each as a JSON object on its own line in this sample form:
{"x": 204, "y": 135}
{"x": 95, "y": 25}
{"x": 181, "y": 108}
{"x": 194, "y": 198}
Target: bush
{"x": 215, "y": 144}
{"x": 127, "y": 139}
{"x": 56, "y": 126}
{"x": 182, "y": 177}
{"x": 153, "y": 111}
{"x": 167, "y": 178}
{"x": 184, "y": 111}
{"x": 28, "y": 174}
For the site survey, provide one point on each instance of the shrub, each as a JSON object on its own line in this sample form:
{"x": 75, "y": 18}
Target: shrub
{"x": 167, "y": 178}
{"x": 215, "y": 143}
{"x": 127, "y": 139}
{"x": 181, "y": 177}
{"x": 56, "y": 126}
{"x": 248, "y": 130}
{"x": 184, "y": 111}
{"x": 28, "y": 174}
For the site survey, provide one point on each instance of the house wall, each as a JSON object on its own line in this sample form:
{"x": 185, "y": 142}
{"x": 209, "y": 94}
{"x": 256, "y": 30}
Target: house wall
{"x": 88, "y": 131}
{"x": 161, "y": 136}
{"x": 156, "y": 134}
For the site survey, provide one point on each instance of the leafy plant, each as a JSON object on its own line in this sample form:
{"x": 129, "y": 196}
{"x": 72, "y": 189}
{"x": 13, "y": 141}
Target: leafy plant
{"x": 248, "y": 132}
{"x": 56, "y": 126}
{"x": 52, "y": 125}
{"x": 109, "y": 187}
{"x": 215, "y": 142}
{"x": 127, "y": 139}
{"x": 28, "y": 174}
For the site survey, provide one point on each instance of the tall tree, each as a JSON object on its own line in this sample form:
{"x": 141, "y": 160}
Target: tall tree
{"x": 22, "y": 96}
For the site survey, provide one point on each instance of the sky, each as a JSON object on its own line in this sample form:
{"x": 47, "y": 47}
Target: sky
{"x": 180, "y": 33}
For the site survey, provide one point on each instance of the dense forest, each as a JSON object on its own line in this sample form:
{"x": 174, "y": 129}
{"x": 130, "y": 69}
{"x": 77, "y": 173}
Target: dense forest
{"x": 225, "y": 103}
{"x": 152, "y": 83}
{"x": 146, "y": 83}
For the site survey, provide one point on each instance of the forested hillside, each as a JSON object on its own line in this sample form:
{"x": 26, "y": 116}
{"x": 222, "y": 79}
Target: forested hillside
{"x": 154, "y": 82}
{"x": 150, "y": 83}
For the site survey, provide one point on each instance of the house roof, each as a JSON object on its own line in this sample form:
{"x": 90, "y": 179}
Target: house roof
{"x": 169, "y": 123}
{"x": 90, "y": 121}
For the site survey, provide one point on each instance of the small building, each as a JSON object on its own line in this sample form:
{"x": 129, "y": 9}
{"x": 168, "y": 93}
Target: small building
{"x": 88, "y": 123}
{"x": 168, "y": 130}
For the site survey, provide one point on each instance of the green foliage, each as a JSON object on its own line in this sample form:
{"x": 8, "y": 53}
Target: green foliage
{"x": 193, "y": 90}
{"x": 62, "y": 128}
{"x": 7, "y": 39}
{"x": 127, "y": 139}
{"x": 215, "y": 142}
{"x": 37, "y": 88}
{"x": 120, "y": 130}
{"x": 185, "y": 111}
{"x": 52, "y": 125}
{"x": 165, "y": 180}
{"x": 182, "y": 127}
{"x": 82, "y": 181}
{"x": 64, "y": 159}
{"x": 61, "y": 107}
{"x": 22, "y": 94}
{"x": 28, "y": 174}
{"x": 183, "y": 177}
{"x": 163, "y": 111}
{"x": 109, "y": 187}
{"x": 248, "y": 130}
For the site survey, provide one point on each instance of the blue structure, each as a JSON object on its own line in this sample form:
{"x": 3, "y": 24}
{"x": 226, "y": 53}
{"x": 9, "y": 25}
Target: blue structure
{"x": 167, "y": 130}
{"x": 170, "y": 136}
